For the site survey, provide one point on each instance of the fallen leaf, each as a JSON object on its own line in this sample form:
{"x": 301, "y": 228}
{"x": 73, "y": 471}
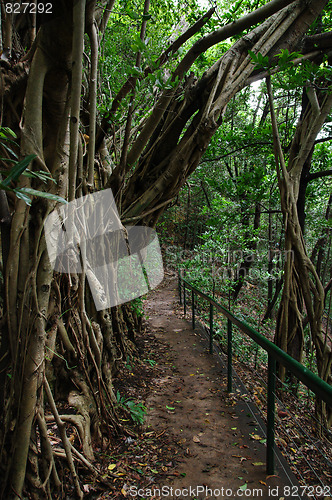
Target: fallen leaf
{"x": 196, "y": 439}
{"x": 282, "y": 442}
{"x": 257, "y": 463}
{"x": 256, "y": 437}
{"x": 262, "y": 482}
{"x": 182, "y": 441}
{"x": 111, "y": 466}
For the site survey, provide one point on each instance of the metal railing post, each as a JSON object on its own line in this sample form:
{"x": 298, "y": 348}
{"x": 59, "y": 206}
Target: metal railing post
{"x": 271, "y": 386}
{"x": 318, "y": 386}
{"x": 229, "y": 356}
{"x": 180, "y": 288}
{"x": 211, "y": 328}
{"x": 193, "y": 307}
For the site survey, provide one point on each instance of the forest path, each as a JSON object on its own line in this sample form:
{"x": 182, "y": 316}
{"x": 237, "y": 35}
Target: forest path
{"x": 190, "y": 404}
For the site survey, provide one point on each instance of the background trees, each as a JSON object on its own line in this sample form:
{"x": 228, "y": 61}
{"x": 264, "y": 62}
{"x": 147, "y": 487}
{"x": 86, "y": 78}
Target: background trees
{"x": 108, "y": 94}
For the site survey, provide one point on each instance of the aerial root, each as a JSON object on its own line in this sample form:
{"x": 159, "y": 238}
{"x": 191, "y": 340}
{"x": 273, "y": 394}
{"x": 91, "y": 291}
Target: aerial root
{"x": 65, "y": 441}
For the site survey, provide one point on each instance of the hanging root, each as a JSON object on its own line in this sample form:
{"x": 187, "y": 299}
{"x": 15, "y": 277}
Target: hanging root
{"x": 65, "y": 441}
{"x": 47, "y": 453}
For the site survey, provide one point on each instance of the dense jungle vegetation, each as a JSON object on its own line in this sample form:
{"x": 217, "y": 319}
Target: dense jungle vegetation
{"x": 211, "y": 124}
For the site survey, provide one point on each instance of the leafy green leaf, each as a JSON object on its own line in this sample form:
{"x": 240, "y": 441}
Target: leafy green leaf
{"x": 17, "y": 170}
{"x": 40, "y": 194}
{"x": 22, "y": 196}
{"x": 9, "y": 149}
{"x": 41, "y": 175}
{"x": 5, "y": 131}
{"x": 133, "y": 15}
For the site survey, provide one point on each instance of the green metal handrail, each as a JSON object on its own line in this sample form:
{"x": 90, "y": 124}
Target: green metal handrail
{"x": 307, "y": 377}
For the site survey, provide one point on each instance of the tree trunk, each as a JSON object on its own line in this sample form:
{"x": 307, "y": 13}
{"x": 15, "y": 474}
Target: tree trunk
{"x": 302, "y": 285}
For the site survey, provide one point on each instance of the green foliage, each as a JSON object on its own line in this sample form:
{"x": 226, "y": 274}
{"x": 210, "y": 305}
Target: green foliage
{"x": 285, "y": 60}
{"x": 238, "y": 174}
{"x": 261, "y": 62}
{"x": 21, "y": 168}
{"x": 166, "y": 20}
{"x": 16, "y": 171}
{"x": 137, "y": 307}
{"x": 151, "y": 362}
{"x": 6, "y": 137}
{"x": 137, "y": 410}
{"x": 128, "y": 364}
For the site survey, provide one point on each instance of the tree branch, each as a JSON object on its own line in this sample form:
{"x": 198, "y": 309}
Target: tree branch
{"x": 205, "y": 160}
{"x": 318, "y": 175}
{"x": 162, "y": 59}
{"x": 324, "y": 139}
{"x": 105, "y": 15}
{"x": 322, "y": 41}
{"x": 229, "y": 30}
{"x": 92, "y": 33}
{"x": 241, "y": 75}
{"x": 77, "y": 67}
{"x": 120, "y": 170}
{"x": 272, "y": 71}
{"x": 278, "y": 153}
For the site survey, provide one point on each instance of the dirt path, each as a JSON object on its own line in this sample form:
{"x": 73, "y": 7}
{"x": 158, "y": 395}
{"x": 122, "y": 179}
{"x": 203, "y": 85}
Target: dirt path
{"x": 216, "y": 457}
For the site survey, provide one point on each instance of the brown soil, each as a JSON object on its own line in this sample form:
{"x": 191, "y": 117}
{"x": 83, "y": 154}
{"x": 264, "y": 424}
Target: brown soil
{"x": 190, "y": 403}
{"x": 196, "y": 440}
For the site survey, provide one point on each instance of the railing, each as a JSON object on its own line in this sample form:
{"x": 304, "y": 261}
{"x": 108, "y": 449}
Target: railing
{"x": 308, "y": 378}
